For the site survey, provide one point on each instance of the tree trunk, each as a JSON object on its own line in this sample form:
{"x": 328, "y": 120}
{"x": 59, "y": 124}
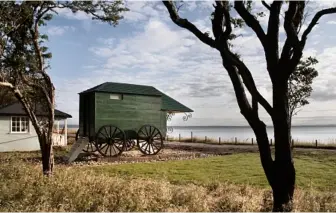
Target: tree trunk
{"x": 47, "y": 154}
{"x": 283, "y": 186}
{"x": 283, "y": 182}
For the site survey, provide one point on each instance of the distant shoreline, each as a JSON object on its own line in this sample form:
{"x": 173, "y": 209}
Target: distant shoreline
{"x": 326, "y": 125}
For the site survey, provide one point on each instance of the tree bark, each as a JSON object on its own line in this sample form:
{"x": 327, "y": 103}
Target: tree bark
{"x": 47, "y": 154}
{"x": 283, "y": 183}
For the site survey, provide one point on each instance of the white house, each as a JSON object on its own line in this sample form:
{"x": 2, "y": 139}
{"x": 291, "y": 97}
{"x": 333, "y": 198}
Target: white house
{"x": 18, "y": 134}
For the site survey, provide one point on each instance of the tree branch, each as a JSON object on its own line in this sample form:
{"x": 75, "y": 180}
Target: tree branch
{"x": 289, "y": 25}
{"x": 266, "y": 5}
{"x": 249, "y": 83}
{"x": 26, "y": 105}
{"x": 221, "y": 16}
{"x": 313, "y": 22}
{"x": 252, "y": 22}
{"x": 184, "y": 23}
{"x": 272, "y": 51}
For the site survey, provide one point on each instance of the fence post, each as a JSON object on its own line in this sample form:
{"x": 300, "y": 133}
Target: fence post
{"x": 316, "y": 143}
{"x": 219, "y": 140}
{"x": 293, "y": 143}
{"x": 252, "y": 141}
{"x": 271, "y": 141}
{"x": 205, "y": 139}
{"x": 179, "y": 137}
{"x": 191, "y": 137}
{"x": 167, "y": 137}
{"x": 235, "y": 140}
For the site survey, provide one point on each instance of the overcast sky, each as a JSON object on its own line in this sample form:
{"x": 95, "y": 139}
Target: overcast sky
{"x": 147, "y": 48}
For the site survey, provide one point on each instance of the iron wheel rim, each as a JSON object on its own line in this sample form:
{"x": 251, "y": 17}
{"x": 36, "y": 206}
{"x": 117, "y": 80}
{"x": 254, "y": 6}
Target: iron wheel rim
{"x": 150, "y": 140}
{"x": 110, "y": 141}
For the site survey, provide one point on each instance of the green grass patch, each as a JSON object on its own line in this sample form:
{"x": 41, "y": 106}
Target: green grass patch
{"x": 316, "y": 171}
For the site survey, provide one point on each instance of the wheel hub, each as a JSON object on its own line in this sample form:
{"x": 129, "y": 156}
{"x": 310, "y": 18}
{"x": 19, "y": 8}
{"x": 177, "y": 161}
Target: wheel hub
{"x": 111, "y": 141}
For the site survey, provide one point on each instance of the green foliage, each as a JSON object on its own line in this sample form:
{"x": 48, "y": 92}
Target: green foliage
{"x": 18, "y": 56}
{"x": 300, "y": 84}
{"x": 6, "y": 97}
{"x": 105, "y": 11}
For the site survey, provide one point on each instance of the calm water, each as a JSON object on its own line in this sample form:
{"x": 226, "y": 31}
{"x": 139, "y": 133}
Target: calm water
{"x": 323, "y": 134}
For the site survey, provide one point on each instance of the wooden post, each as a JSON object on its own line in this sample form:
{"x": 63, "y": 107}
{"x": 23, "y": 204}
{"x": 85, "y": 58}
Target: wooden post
{"x": 58, "y": 127}
{"x": 271, "y": 141}
{"x": 179, "y": 137}
{"x": 293, "y": 143}
{"x": 205, "y": 139}
{"x": 167, "y": 137}
{"x": 219, "y": 140}
{"x": 316, "y": 143}
{"x": 66, "y": 132}
{"x": 252, "y": 141}
{"x": 191, "y": 137}
{"x": 235, "y": 140}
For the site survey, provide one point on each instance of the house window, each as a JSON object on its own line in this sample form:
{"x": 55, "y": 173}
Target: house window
{"x": 20, "y": 125}
{"x": 115, "y": 96}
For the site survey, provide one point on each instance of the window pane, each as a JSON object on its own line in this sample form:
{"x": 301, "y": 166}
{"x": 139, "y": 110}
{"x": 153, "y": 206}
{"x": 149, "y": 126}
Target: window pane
{"x": 24, "y": 126}
{"x": 20, "y": 124}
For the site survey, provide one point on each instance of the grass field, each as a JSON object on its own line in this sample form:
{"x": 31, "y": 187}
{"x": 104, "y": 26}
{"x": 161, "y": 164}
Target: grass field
{"x": 225, "y": 183}
{"x": 317, "y": 171}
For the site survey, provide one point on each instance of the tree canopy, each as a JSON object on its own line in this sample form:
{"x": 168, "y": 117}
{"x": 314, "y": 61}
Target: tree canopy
{"x": 24, "y": 57}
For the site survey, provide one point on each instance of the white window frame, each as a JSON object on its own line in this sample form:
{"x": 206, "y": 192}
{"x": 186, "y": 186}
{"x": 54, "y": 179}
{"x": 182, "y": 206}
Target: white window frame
{"x": 20, "y": 123}
{"x": 116, "y": 97}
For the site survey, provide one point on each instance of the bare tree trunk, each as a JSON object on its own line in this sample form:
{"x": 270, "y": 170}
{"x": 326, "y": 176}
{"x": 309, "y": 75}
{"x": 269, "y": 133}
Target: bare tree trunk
{"x": 283, "y": 183}
{"x": 47, "y": 153}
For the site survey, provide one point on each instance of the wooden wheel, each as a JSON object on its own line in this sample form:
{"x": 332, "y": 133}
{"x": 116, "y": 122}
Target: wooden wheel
{"x": 150, "y": 140}
{"x": 129, "y": 144}
{"x": 110, "y": 141}
{"x": 90, "y": 147}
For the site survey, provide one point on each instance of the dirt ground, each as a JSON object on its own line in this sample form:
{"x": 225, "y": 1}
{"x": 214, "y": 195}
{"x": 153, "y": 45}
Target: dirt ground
{"x": 177, "y": 151}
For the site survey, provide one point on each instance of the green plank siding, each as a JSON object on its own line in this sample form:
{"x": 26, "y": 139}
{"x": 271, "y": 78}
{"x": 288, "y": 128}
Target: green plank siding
{"x": 130, "y": 113}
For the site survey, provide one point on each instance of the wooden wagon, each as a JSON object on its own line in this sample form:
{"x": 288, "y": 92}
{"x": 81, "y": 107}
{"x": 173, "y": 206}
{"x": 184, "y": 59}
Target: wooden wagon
{"x": 117, "y": 116}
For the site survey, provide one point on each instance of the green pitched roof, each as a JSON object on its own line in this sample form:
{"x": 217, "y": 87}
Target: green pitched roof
{"x": 168, "y": 103}
{"x": 124, "y": 89}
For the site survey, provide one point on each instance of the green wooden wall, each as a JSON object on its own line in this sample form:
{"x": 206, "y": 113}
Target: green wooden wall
{"x": 130, "y": 113}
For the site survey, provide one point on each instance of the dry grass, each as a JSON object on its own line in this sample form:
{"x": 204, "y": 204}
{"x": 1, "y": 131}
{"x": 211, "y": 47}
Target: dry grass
{"x": 23, "y": 188}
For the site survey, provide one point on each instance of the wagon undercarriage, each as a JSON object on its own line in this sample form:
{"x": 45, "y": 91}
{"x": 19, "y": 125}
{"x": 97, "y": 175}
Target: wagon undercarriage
{"x": 111, "y": 141}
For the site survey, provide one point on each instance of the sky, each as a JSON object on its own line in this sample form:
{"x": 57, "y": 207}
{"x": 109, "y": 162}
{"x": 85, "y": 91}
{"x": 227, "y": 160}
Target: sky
{"x": 147, "y": 48}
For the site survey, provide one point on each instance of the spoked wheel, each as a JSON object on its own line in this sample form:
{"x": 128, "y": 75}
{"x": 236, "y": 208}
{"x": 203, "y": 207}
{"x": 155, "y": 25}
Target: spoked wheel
{"x": 90, "y": 147}
{"x": 129, "y": 144}
{"x": 150, "y": 140}
{"x": 110, "y": 141}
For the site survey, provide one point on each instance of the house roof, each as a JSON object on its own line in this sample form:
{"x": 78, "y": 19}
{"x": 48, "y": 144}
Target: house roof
{"x": 168, "y": 103}
{"x": 17, "y": 109}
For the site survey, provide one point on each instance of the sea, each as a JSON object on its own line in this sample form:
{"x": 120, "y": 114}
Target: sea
{"x": 306, "y": 134}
